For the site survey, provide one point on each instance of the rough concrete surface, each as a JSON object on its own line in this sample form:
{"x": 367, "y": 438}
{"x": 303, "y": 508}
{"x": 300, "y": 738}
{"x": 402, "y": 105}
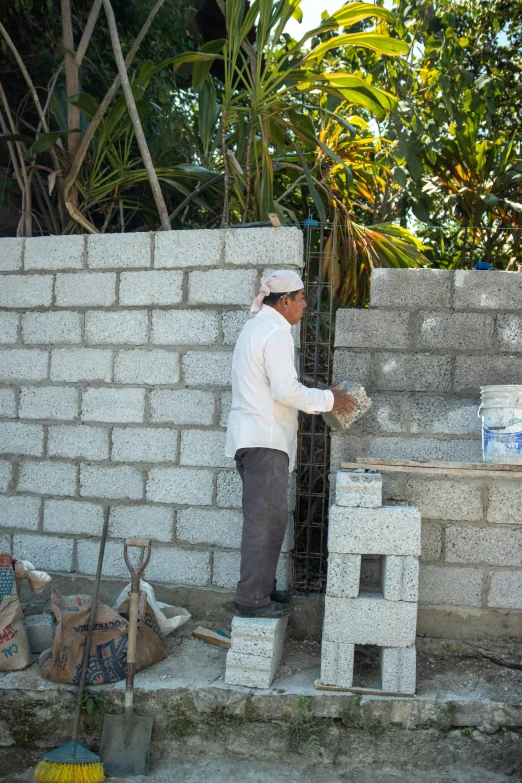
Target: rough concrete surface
{"x": 207, "y": 769}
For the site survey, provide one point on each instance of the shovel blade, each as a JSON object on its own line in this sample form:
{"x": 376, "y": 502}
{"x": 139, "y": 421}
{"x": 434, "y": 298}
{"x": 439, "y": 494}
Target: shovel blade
{"x": 125, "y": 745}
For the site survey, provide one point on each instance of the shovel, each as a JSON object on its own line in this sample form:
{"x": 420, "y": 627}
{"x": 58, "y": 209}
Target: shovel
{"x": 125, "y": 743}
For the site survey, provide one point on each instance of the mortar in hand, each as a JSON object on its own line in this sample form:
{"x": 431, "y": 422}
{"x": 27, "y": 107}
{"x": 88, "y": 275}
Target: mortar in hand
{"x": 342, "y": 421}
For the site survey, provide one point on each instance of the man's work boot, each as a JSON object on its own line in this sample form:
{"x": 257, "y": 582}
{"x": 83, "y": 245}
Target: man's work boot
{"x": 272, "y": 610}
{"x": 281, "y": 596}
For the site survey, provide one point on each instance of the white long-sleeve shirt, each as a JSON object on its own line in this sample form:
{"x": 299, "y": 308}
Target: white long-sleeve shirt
{"x": 266, "y": 394}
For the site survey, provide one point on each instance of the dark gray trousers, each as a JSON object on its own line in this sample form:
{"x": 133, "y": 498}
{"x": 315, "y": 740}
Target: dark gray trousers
{"x": 264, "y": 473}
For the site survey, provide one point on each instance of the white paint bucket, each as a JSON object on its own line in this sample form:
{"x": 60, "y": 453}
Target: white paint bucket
{"x": 501, "y": 412}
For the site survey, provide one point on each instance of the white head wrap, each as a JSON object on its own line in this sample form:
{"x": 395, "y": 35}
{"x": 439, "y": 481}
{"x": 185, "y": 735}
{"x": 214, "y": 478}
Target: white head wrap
{"x": 280, "y": 282}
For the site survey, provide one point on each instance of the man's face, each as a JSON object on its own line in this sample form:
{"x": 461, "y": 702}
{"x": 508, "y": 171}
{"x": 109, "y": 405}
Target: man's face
{"x": 293, "y": 309}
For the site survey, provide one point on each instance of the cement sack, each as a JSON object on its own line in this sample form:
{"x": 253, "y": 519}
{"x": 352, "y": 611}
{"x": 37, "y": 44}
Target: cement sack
{"x": 108, "y": 654}
{"x": 14, "y": 646}
{"x": 169, "y": 617}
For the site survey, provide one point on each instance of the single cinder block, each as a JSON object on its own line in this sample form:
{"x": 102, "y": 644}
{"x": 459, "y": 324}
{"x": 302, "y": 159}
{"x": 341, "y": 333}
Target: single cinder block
{"x": 486, "y": 545}
{"x": 509, "y": 332}
{"x": 144, "y": 444}
{"x": 349, "y": 364}
{"x": 496, "y": 291}
{"x": 85, "y": 289}
{"x": 446, "y": 499}
{"x": 256, "y": 636}
{"x": 83, "y": 441}
{"x": 505, "y": 591}
{"x": 407, "y": 448}
{"x": 5, "y": 474}
{"x": 445, "y": 415}
{"x": 449, "y": 586}
{"x": 72, "y": 517}
{"x": 400, "y": 578}
{"x": 46, "y": 552}
{"x": 264, "y": 245}
{"x": 19, "y": 512}
{"x": 23, "y": 364}
{"x": 125, "y": 326}
{"x": 26, "y": 290}
{"x": 455, "y": 331}
{"x": 113, "y": 563}
{"x": 182, "y": 486}
{"x": 10, "y": 253}
{"x": 81, "y": 364}
{"x": 19, "y": 438}
{"x": 113, "y": 405}
{"x": 411, "y": 372}
{"x": 222, "y": 286}
{"x": 390, "y": 530}
{"x": 255, "y": 670}
{"x": 213, "y": 369}
{"x": 118, "y": 250}
{"x": 398, "y": 669}
{"x": 182, "y": 406}
{"x": 177, "y": 566}
{"x": 405, "y": 289}
{"x": 229, "y": 489}
{"x": 210, "y": 526}
{"x": 53, "y": 327}
{"x": 47, "y": 477}
{"x": 184, "y": 327}
{"x": 200, "y": 247}
{"x": 8, "y": 328}
{"x": 337, "y": 660}
{"x": 505, "y": 503}
{"x": 48, "y": 402}
{"x": 119, "y": 482}
{"x": 472, "y": 372}
{"x": 7, "y": 404}
{"x": 204, "y": 447}
{"x": 370, "y": 619}
{"x": 61, "y": 252}
{"x": 372, "y": 329}
{"x": 145, "y": 366}
{"x": 151, "y": 288}
{"x": 344, "y": 575}
{"x": 139, "y": 521}
{"x": 233, "y": 322}
{"x": 362, "y": 490}
{"x": 40, "y": 632}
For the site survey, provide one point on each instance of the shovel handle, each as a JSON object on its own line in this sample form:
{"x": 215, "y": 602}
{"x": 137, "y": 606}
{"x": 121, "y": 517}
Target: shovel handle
{"x": 136, "y": 574}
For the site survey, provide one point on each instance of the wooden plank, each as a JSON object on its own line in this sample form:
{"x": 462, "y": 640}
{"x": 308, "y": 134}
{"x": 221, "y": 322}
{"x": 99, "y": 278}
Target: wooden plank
{"x": 451, "y": 465}
{"x": 362, "y": 691}
{"x": 211, "y": 637}
{"x": 377, "y": 466}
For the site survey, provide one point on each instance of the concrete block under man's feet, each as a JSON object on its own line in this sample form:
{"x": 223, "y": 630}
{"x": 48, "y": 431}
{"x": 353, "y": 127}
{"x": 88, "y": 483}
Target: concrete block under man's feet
{"x": 358, "y": 490}
{"x": 256, "y": 652}
{"x": 40, "y": 632}
{"x": 398, "y": 669}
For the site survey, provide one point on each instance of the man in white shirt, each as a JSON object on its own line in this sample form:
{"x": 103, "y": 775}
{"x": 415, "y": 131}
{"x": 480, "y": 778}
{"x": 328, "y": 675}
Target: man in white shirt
{"x": 262, "y": 434}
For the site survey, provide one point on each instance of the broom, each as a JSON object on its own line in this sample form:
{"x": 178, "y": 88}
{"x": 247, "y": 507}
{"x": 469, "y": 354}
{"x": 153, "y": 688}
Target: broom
{"x": 73, "y": 763}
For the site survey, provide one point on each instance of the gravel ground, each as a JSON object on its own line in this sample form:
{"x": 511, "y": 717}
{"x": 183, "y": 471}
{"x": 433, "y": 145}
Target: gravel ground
{"x": 18, "y": 767}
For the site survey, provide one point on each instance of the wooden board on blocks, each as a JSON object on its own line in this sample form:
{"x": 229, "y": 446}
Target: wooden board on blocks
{"x": 362, "y": 691}
{"x": 434, "y": 468}
{"x": 211, "y": 637}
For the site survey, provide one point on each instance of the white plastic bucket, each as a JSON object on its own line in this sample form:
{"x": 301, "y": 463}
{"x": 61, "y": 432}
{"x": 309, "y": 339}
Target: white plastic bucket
{"x": 501, "y": 412}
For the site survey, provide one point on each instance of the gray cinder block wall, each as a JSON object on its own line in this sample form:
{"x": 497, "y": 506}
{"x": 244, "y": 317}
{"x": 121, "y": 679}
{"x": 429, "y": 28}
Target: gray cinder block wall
{"x": 427, "y": 343}
{"x": 115, "y": 364}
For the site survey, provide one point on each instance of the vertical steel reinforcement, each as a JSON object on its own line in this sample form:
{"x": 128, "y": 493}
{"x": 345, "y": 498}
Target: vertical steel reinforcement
{"x": 313, "y": 448}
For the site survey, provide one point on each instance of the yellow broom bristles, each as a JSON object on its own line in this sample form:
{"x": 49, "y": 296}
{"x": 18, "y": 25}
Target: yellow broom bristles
{"x": 52, "y": 772}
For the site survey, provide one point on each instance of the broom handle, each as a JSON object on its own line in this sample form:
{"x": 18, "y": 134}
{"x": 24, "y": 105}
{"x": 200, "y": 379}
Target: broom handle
{"x": 88, "y": 640}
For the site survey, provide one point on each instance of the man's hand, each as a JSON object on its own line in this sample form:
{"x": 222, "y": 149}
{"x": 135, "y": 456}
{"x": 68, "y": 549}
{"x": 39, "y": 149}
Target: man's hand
{"x": 343, "y": 403}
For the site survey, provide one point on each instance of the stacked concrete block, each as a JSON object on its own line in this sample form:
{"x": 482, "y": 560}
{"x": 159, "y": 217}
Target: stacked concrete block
{"x": 115, "y": 371}
{"x": 256, "y": 651}
{"x": 387, "y": 617}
